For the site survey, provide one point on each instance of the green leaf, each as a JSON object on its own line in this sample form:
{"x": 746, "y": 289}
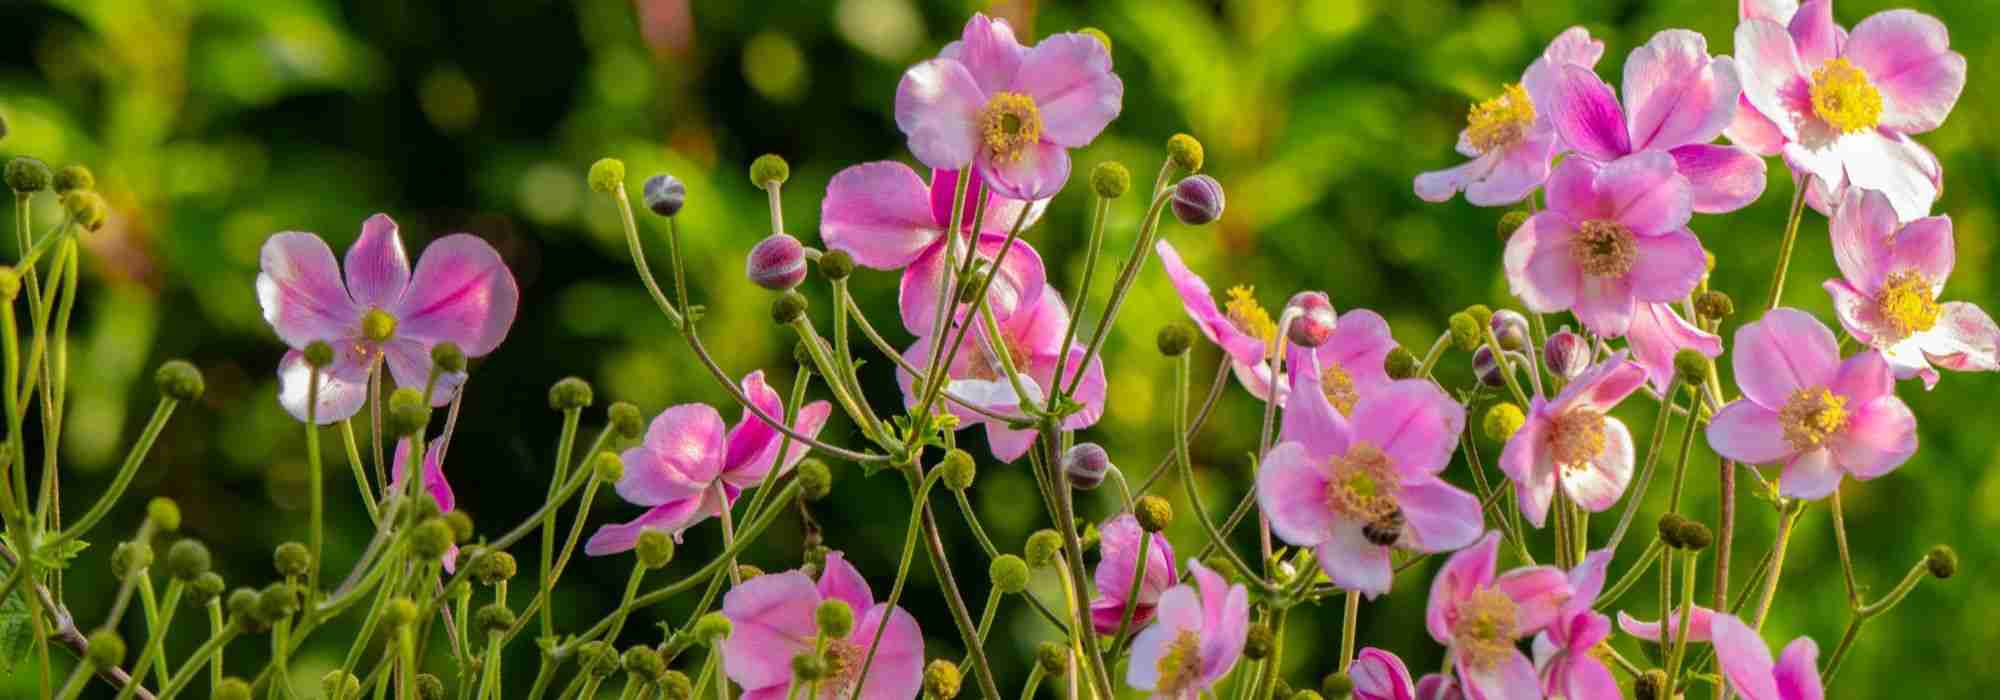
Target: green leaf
{"x": 15, "y": 631}
{"x": 60, "y": 556}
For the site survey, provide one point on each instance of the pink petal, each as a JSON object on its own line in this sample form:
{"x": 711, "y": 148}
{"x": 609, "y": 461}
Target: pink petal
{"x": 1908, "y": 57}
{"x": 1360, "y": 345}
{"x": 751, "y": 444}
{"x": 1604, "y": 305}
{"x": 1353, "y": 563}
{"x": 898, "y": 671}
{"x": 434, "y": 481}
{"x": 1646, "y": 193}
{"x": 682, "y": 453}
{"x": 1668, "y": 266}
{"x": 1512, "y": 678}
{"x": 1723, "y": 178}
{"x": 1811, "y": 475}
{"x": 1069, "y": 76}
{"x": 343, "y": 387}
{"x": 1785, "y": 351}
{"x": 1587, "y": 115}
{"x": 1179, "y": 611}
{"x": 1435, "y": 686}
{"x": 1573, "y": 47}
{"x": 1527, "y": 461}
{"x": 1857, "y": 312}
{"x": 1119, "y": 552}
{"x": 1440, "y": 185}
{"x": 462, "y": 292}
{"x": 1862, "y": 228}
{"x": 410, "y": 363}
{"x": 1965, "y": 339}
{"x": 1572, "y": 190}
{"x": 1926, "y": 247}
{"x": 1539, "y": 592}
{"x": 1862, "y": 378}
{"x": 1812, "y": 28}
{"x": 878, "y": 212}
{"x": 377, "y": 268}
{"x": 771, "y": 620}
{"x": 1880, "y": 436}
{"x": 1291, "y": 490}
{"x": 1598, "y": 485}
{"x": 1379, "y": 675}
{"x": 1588, "y": 679}
{"x": 1745, "y": 661}
{"x": 1539, "y": 267}
{"x": 1200, "y": 304}
{"x": 1754, "y": 131}
{"x": 1466, "y": 571}
{"x": 1020, "y": 280}
{"x": 1699, "y": 627}
{"x": 1676, "y": 94}
{"x": 1521, "y": 168}
{"x": 1748, "y": 433}
{"x": 1895, "y": 165}
{"x": 1039, "y": 172}
{"x": 1438, "y": 517}
{"x": 670, "y": 518}
{"x": 1413, "y": 422}
{"x": 1309, "y": 418}
{"x": 1601, "y": 387}
{"x": 989, "y": 51}
{"x": 300, "y": 289}
{"x": 1797, "y": 671}
{"x": 1227, "y": 623}
{"x": 937, "y": 107}
{"x": 1767, "y": 62}
{"x": 1779, "y": 11}
{"x": 839, "y": 580}
{"x": 1657, "y": 333}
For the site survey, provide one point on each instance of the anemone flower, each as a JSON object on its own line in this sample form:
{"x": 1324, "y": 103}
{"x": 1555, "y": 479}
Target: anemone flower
{"x": 888, "y": 218}
{"x": 1119, "y": 545}
{"x": 1805, "y": 408}
{"x": 1614, "y": 234}
{"x": 1482, "y": 618}
{"x": 1747, "y": 663}
{"x": 1031, "y": 339}
{"x": 771, "y": 622}
{"x": 689, "y": 468}
{"x": 1677, "y": 100}
{"x": 1349, "y": 365}
{"x": 1380, "y": 675}
{"x": 1510, "y": 138}
{"x": 1699, "y": 626}
{"x": 1657, "y": 333}
{"x": 1244, "y": 330}
{"x": 1563, "y": 652}
{"x": 461, "y": 292}
{"x": 1570, "y": 441}
{"x": 433, "y": 481}
{"x": 1843, "y": 104}
{"x": 1198, "y": 635}
{"x": 1887, "y": 295}
{"x": 1010, "y": 111}
{"x": 1354, "y": 489}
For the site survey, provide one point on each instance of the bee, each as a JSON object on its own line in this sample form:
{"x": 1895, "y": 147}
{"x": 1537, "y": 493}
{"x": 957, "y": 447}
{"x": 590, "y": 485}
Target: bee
{"x": 1384, "y": 531}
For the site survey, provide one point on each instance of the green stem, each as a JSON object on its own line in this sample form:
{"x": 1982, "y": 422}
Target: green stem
{"x": 137, "y": 455}
{"x": 564, "y": 445}
{"x": 1791, "y": 238}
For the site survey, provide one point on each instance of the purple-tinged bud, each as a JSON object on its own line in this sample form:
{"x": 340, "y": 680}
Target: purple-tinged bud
{"x": 1315, "y": 320}
{"x": 1198, "y": 200}
{"x": 1085, "y": 465}
{"x": 1486, "y": 366}
{"x": 1511, "y": 329}
{"x": 1567, "y": 354}
{"x": 665, "y": 194}
{"x": 777, "y": 263}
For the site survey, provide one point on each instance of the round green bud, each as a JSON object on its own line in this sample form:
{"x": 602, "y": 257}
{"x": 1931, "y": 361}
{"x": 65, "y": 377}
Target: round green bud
{"x": 941, "y": 680}
{"x": 232, "y": 689}
{"x": 419, "y": 509}
{"x": 1714, "y": 306}
{"x": 655, "y": 548}
{"x": 598, "y": 658}
{"x": 834, "y": 618}
{"x": 808, "y": 667}
{"x": 187, "y": 560}
{"x": 277, "y": 602}
{"x": 788, "y": 308}
{"x": 129, "y": 558}
{"x": 179, "y": 380}
{"x": 1502, "y": 420}
{"x": 429, "y": 687}
{"x": 1336, "y": 686}
{"x": 836, "y": 264}
{"x": 1153, "y": 512}
{"x": 1671, "y": 527}
{"x": 1174, "y": 339}
{"x": 769, "y": 170}
{"x": 407, "y": 414}
{"x": 461, "y": 526}
{"x": 570, "y": 394}
{"x": 1304, "y": 694}
{"x": 494, "y": 568}
{"x": 626, "y": 420}
{"x": 1110, "y": 179}
{"x": 815, "y": 479}
{"x": 1099, "y": 35}
{"x": 642, "y": 662}
{"x": 675, "y": 685}
{"x": 959, "y": 470}
{"x": 1185, "y": 151}
{"x": 1053, "y": 658}
{"x": 748, "y": 571}
{"x": 711, "y": 627}
{"x": 1042, "y": 549}
{"x": 25, "y": 174}
{"x": 1651, "y": 685}
{"x": 1690, "y": 366}
{"x": 1465, "y": 331}
{"x": 1481, "y": 314}
{"x": 1942, "y": 561}
{"x": 205, "y": 587}
{"x": 1401, "y": 364}
{"x": 74, "y": 177}
{"x": 1511, "y": 222}
{"x": 608, "y": 467}
{"x": 1009, "y": 573}
{"x": 431, "y": 539}
{"x": 1696, "y": 536}
{"x": 399, "y": 611}
{"x": 104, "y": 649}
{"x": 242, "y": 606}
{"x": 319, "y": 354}
{"x": 292, "y": 559}
{"x": 164, "y": 514}
{"x": 495, "y": 618}
{"x": 339, "y": 685}
{"x": 1258, "y": 642}
{"x": 88, "y": 208}
{"x": 447, "y": 357}
{"x": 10, "y": 283}
{"x": 607, "y": 175}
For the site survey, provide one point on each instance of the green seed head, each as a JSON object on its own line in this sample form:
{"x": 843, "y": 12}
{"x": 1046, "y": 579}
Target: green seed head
{"x": 834, "y": 618}
{"x": 655, "y": 549}
{"x": 1053, "y": 658}
{"x": 1110, "y": 179}
{"x": 1042, "y": 549}
{"x": 188, "y": 560}
{"x": 769, "y": 170}
{"x": 570, "y": 394}
{"x": 1154, "y": 513}
{"x": 1009, "y": 573}
{"x": 1185, "y": 151}
{"x": 959, "y": 470}
{"x": 104, "y": 649}
{"x": 179, "y": 380}
{"x": 607, "y": 175}
{"x": 815, "y": 479}
{"x": 292, "y": 559}
{"x": 941, "y": 680}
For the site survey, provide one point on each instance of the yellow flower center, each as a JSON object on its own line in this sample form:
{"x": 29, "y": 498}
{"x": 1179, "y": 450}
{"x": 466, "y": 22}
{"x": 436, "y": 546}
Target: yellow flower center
{"x": 1908, "y": 304}
{"x": 1364, "y": 489}
{"x": 1578, "y": 437}
{"x": 1010, "y": 125}
{"x": 1338, "y": 386}
{"x": 1500, "y": 122}
{"x": 378, "y": 325}
{"x": 1843, "y": 97}
{"x": 1811, "y": 416}
{"x": 1180, "y": 667}
{"x": 1604, "y": 248}
{"x": 1249, "y": 316}
{"x": 1484, "y": 633}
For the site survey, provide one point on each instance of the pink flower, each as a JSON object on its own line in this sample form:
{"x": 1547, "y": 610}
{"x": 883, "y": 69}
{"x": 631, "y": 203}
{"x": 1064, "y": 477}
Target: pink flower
{"x": 1892, "y": 275}
{"x": 1571, "y": 441}
{"x": 1843, "y": 104}
{"x": 1803, "y": 407}
{"x": 1010, "y": 111}
{"x": 461, "y": 292}
{"x": 688, "y": 468}
{"x": 1119, "y": 544}
{"x": 1348, "y": 366}
{"x": 1510, "y": 138}
{"x": 1746, "y": 662}
{"x": 1032, "y": 338}
{"x": 1196, "y": 640}
{"x": 1614, "y": 235}
{"x": 434, "y": 484}
{"x": 885, "y": 216}
{"x": 1380, "y": 675}
{"x": 1437, "y": 686}
{"x": 771, "y": 621}
{"x": 1677, "y": 100}
{"x": 1245, "y": 330}
{"x": 1699, "y": 626}
{"x": 1657, "y": 333}
{"x": 1482, "y": 617}
{"x": 1353, "y": 489}
{"x": 1563, "y": 651}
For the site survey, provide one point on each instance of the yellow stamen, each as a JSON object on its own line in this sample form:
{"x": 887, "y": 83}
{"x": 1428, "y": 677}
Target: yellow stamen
{"x": 1578, "y": 437}
{"x": 378, "y": 325}
{"x": 1338, "y": 386}
{"x": 1483, "y": 635}
{"x": 1843, "y": 97}
{"x": 1180, "y": 667}
{"x": 1248, "y": 315}
{"x": 1908, "y": 304}
{"x": 1010, "y": 125}
{"x": 1811, "y": 416}
{"x": 1604, "y": 248}
{"x": 1502, "y": 121}
{"x": 1364, "y": 485}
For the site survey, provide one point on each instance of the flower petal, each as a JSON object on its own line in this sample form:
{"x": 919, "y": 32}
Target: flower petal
{"x": 1811, "y": 475}
{"x": 1439, "y": 517}
{"x": 937, "y": 107}
{"x": 771, "y": 619}
{"x": 1511, "y": 678}
{"x": 1767, "y": 62}
{"x": 1908, "y": 57}
{"x": 1309, "y": 418}
{"x": 299, "y": 287}
{"x": 1965, "y": 339}
{"x": 1862, "y": 228}
{"x": 1647, "y": 193}
{"x": 1895, "y": 165}
{"x": 1748, "y": 433}
{"x": 1754, "y": 131}
{"x": 622, "y": 537}
{"x": 898, "y": 671}
{"x": 377, "y": 268}
{"x": 1745, "y": 661}
{"x": 1466, "y": 571}
{"x": 1588, "y": 116}
{"x": 1676, "y": 94}
{"x": 1518, "y": 171}
{"x": 1699, "y": 626}
{"x": 1291, "y": 490}
{"x": 1723, "y": 179}
{"x": 1380, "y": 675}
{"x": 343, "y": 387}
{"x": 1413, "y": 422}
{"x": 1813, "y": 30}
{"x": 1597, "y": 486}
{"x": 880, "y": 213}
{"x": 1926, "y": 247}
{"x": 1783, "y": 352}
{"x": 1657, "y": 333}
{"x": 839, "y": 580}
{"x": 462, "y": 292}
{"x": 1069, "y": 76}
{"x": 1540, "y": 269}
{"x": 1797, "y": 671}
{"x": 1526, "y": 460}
{"x": 1200, "y": 304}
{"x": 1880, "y": 436}
{"x": 1669, "y": 266}
{"x": 1539, "y": 592}
{"x": 1038, "y": 172}
{"x": 1353, "y": 563}
{"x": 410, "y": 364}
{"x": 989, "y": 51}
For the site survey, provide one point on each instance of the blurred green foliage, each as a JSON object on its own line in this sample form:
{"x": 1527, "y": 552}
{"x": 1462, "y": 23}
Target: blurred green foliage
{"x": 214, "y": 123}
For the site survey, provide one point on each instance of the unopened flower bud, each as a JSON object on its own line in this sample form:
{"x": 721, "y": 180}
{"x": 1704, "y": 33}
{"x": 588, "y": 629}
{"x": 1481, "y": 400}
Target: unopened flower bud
{"x": 164, "y": 514}
{"x": 1041, "y": 549}
{"x": 398, "y": 612}
{"x": 25, "y": 174}
{"x": 1942, "y": 561}
{"x": 941, "y": 680}
{"x": 626, "y": 420}
{"x": 74, "y": 177}
{"x": 711, "y": 627}
{"x": 959, "y": 470}
{"x": 607, "y": 467}
{"x": 88, "y": 208}
{"x": 104, "y": 649}
{"x": 1511, "y": 329}
{"x": 1185, "y": 151}
{"x": 431, "y": 539}
{"x": 598, "y": 658}
{"x": 448, "y": 358}
{"x": 10, "y": 283}
{"x": 1566, "y": 354}
{"x": 319, "y": 354}
{"x": 1336, "y": 686}
{"x": 815, "y": 479}
{"x": 494, "y": 618}
{"x": 607, "y": 175}
{"x": 187, "y": 560}
{"x": 1690, "y": 366}
{"x": 570, "y": 394}
{"x": 242, "y": 606}
{"x": 1651, "y": 685}
{"x": 429, "y": 687}
{"x": 1714, "y": 306}
{"x": 1257, "y": 643}
{"x": 769, "y": 170}
{"x": 1315, "y": 321}
{"x": 1198, "y": 200}
{"x": 834, "y": 618}
{"x": 1671, "y": 527}
{"x": 1009, "y": 573}
{"x": 461, "y": 526}
{"x": 788, "y": 308}
{"x": 642, "y": 662}
{"x": 179, "y": 380}
{"x": 1486, "y": 366}
{"x": 1085, "y": 465}
{"x": 205, "y": 587}
{"x": 1053, "y": 658}
{"x": 1153, "y": 513}
{"x": 1174, "y": 339}
{"x": 1110, "y": 179}
{"x": 419, "y": 509}
{"x": 277, "y": 602}
{"x": 664, "y": 194}
{"x": 232, "y": 689}
{"x": 836, "y": 264}
{"x": 655, "y": 548}
{"x": 1465, "y": 332}
{"x": 292, "y": 559}
{"x": 407, "y": 414}
{"x": 1480, "y": 313}
{"x": 1099, "y": 35}
{"x": 1696, "y": 536}
{"x": 1502, "y": 420}
{"x": 675, "y": 685}
{"x": 776, "y": 263}
{"x": 128, "y": 558}
{"x": 1401, "y": 364}
{"x": 494, "y": 568}
{"x": 1511, "y": 222}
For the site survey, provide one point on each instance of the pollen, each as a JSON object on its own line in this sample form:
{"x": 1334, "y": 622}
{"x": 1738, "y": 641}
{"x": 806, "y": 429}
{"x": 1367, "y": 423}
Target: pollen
{"x": 1811, "y": 416}
{"x": 378, "y": 325}
{"x": 1180, "y": 667}
{"x": 1249, "y": 316}
{"x": 1010, "y": 125}
{"x": 1577, "y": 437}
{"x": 843, "y": 668}
{"x": 1338, "y": 386}
{"x": 1483, "y": 632}
{"x": 1364, "y": 486}
{"x": 1604, "y": 248}
{"x": 1500, "y": 122}
{"x": 1908, "y": 304}
{"x": 1843, "y": 97}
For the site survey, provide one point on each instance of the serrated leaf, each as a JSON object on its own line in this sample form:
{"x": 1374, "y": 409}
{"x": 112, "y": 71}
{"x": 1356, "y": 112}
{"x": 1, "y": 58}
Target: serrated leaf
{"x": 60, "y": 556}
{"x": 15, "y": 631}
